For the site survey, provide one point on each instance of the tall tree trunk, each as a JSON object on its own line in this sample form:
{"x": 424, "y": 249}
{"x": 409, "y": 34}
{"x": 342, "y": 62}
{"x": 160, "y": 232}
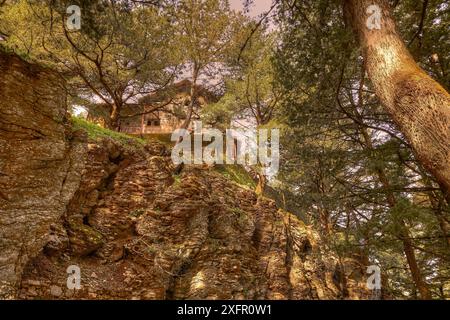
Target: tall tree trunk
{"x": 114, "y": 118}
{"x": 403, "y": 233}
{"x": 417, "y": 103}
{"x": 192, "y": 96}
{"x": 143, "y": 121}
{"x": 324, "y": 217}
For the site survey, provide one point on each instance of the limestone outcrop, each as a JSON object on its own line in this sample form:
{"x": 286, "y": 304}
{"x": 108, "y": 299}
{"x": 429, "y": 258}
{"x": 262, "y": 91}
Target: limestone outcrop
{"x": 135, "y": 229}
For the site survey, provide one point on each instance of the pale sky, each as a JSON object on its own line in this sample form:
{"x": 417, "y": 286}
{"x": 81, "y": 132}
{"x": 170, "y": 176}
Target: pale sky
{"x": 258, "y": 6}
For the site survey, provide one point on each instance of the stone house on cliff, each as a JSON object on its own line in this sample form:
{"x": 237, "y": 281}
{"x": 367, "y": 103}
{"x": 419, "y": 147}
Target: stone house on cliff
{"x": 138, "y": 118}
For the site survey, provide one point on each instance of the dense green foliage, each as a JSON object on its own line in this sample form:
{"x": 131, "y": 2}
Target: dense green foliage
{"x": 347, "y": 165}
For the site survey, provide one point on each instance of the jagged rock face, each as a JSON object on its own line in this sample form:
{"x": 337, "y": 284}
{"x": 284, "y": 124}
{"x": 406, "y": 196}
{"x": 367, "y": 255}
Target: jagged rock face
{"x": 137, "y": 232}
{"x": 134, "y": 229}
{"x": 38, "y": 167}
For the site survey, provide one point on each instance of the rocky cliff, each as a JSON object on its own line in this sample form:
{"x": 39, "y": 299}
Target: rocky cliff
{"x": 38, "y": 164}
{"x": 134, "y": 228}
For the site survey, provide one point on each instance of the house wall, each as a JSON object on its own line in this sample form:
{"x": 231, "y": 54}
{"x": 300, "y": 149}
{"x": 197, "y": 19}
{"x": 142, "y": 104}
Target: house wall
{"x": 139, "y": 125}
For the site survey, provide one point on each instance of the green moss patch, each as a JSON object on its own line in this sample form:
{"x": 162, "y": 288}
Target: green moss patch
{"x": 97, "y": 133}
{"x": 237, "y": 174}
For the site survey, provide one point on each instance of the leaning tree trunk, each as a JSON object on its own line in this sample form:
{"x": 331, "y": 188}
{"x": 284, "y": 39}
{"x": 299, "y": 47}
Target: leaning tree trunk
{"x": 418, "y": 104}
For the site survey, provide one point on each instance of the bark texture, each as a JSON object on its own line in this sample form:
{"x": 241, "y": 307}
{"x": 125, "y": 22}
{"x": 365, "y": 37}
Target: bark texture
{"x": 419, "y": 105}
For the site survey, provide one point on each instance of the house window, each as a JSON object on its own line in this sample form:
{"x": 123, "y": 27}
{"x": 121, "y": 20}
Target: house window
{"x": 153, "y": 122}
